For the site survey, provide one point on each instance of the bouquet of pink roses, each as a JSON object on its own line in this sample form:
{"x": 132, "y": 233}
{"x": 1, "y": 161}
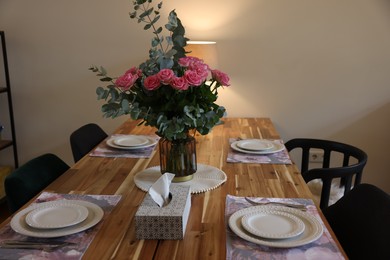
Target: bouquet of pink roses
{"x": 170, "y": 91}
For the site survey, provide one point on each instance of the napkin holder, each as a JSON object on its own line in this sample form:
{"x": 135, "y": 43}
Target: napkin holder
{"x": 168, "y": 222}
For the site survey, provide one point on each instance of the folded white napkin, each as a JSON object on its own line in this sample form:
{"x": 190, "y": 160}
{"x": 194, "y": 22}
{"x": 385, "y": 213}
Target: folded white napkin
{"x": 159, "y": 191}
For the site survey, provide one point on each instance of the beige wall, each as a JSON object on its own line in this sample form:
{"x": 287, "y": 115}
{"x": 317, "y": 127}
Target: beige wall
{"x": 318, "y": 68}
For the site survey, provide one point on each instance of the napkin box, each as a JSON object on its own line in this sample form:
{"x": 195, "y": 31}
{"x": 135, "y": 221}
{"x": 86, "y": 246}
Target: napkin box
{"x": 168, "y": 222}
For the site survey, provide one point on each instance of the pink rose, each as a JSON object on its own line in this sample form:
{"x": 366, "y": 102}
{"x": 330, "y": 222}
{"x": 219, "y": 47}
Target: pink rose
{"x": 188, "y": 60}
{"x": 125, "y": 82}
{"x": 201, "y": 69}
{"x": 193, "y": 78}
{"x": 165, "y": 76}
{"x": 179, "y": 83}
{"x": 220, "y": 77}
{"x": 152, "y": 82}
{"x": 135, "y": 71}
{"x": 184, "y": 61}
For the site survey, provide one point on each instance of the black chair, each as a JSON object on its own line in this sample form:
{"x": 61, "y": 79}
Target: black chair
{"x": 345, "y": 170}
{"x": 84, "y": 139}
{"x": 361, "y": 222}
{"x": 31, "y": 178}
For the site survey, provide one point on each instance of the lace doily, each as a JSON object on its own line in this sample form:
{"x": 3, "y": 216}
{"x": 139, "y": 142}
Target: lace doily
{"x": 205, "y": 178}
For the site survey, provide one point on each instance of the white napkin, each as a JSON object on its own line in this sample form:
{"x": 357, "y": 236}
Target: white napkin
{"x": 159, "y": 191}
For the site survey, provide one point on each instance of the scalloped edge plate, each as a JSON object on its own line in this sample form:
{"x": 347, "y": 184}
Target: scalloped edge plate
{"x": 19, "y": 225}
{"x": 313, "y": 228}
{"x": 273, "y": 224}
{"x": 151, "y": 141}
{"x": 277, "y": 148}
{"x": 255, "y": 144}
{"x": 57, "y": 215}
{"x": 130, "y": 140}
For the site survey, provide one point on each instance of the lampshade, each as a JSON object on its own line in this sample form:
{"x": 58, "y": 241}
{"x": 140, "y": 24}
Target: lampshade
{"x": 205, "y": 50}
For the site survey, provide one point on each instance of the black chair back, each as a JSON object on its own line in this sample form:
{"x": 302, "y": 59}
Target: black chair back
{"x": 346, "y": 171}
{"x": 84, "y": 139}
{"x": 361, "y": 222}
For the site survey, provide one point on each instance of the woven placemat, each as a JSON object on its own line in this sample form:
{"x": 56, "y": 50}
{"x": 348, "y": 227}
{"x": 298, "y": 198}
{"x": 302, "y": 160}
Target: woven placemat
{"x": 205, "y": 178}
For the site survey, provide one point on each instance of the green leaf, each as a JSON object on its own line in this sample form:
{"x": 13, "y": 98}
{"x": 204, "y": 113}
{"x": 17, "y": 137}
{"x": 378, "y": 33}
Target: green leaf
{"x": 125, "y": 105}
{"x": 172, "y": 21}
{"x": 146, "y": 13}
{"x": 101, "y": 93}
{"x": 155, "y": 41}
{"x": 155, "y": 19}
{"x": 147, "y": 26}
{"x": 103, "y": 71}
{"x": 165, "y": 63}
{"x": 106, "y": 79}
{"x": 159, "y": 30}
{"x": 170, "y": 53}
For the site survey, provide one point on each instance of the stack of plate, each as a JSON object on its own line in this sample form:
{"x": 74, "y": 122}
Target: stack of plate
{"x": 56, "y": 218}
{"x": 131, "y": 142}
{"x": 257, "y": 146}
{"x": 275, "y": 226}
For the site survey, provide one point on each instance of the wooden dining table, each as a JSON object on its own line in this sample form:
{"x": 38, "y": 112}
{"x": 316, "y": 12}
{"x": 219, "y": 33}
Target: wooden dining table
{"x": 205, "y": 236}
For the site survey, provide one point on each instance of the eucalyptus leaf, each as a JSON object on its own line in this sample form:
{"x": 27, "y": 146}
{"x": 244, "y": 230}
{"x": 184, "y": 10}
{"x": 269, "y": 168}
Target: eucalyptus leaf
{"x": 147, "y": 26}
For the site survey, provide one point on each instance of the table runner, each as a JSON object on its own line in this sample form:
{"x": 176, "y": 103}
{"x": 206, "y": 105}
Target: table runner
{"x": 81, "y": 240}
{"x": 237, "y": 248}
{"x": 281, "y": 157}
{"x": 104, "y": 150}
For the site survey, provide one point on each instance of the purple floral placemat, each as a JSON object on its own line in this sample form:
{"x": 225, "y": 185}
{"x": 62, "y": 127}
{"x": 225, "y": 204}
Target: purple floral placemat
{"x": 281, "y": 157}
{"x": 237, "y": 248}
{"x": 80, "y": 241}
{"x": 104, "y": 150}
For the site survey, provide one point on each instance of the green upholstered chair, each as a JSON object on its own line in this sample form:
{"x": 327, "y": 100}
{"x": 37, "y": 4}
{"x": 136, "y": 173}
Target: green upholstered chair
{"x": 31, "y": 178}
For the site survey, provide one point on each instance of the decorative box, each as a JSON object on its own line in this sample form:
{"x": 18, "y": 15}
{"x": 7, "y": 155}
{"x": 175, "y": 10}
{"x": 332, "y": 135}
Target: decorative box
{"x": 168, "y": 222}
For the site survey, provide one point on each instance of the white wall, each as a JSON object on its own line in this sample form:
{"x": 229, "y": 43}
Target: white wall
{"x": 318, "y": 68}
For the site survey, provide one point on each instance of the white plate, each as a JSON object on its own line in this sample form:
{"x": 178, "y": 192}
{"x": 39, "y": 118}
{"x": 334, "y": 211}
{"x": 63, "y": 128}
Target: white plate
{"x": 255, "y": 144}
{"x": 150, "y": 142}
{"x": 19, "y": 225}
{"x": 273, "y": 224}
{"x": 60, "y": 214}
{"x": 276, "y": 148}
{"x": 130, "y": 140}
{"x": 313, "y": 228}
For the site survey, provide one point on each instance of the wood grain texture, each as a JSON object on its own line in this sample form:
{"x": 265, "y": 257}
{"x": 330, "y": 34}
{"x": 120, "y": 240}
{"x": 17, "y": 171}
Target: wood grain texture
{"x": 205, "y": 236}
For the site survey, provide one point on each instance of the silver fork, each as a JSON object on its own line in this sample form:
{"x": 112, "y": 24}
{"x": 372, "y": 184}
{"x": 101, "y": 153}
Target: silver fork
{"x": 46, "y": 246}
{"x": 290, "y": 205}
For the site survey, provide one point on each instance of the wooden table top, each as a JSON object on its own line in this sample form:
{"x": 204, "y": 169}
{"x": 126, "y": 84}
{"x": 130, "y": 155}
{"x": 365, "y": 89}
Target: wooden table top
{"x": 205, "y": 233}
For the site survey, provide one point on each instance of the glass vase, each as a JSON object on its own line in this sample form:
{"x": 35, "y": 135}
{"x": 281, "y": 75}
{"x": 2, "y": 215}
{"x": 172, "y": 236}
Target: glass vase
{"x": 178, "y": 157}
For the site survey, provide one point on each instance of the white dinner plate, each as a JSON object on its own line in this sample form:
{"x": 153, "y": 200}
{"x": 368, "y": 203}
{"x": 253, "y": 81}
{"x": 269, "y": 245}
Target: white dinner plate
{"x": 19, "y": 225}
{"x": 58, "y": 214}
{"x": 255, "y": 144}
{"x": 130, "y": 140}
{"x": 150, "y": 142}
{"x": 273, "y": 224}
{"x": 313, "y": 228}
{"x": 276, "y": 148}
